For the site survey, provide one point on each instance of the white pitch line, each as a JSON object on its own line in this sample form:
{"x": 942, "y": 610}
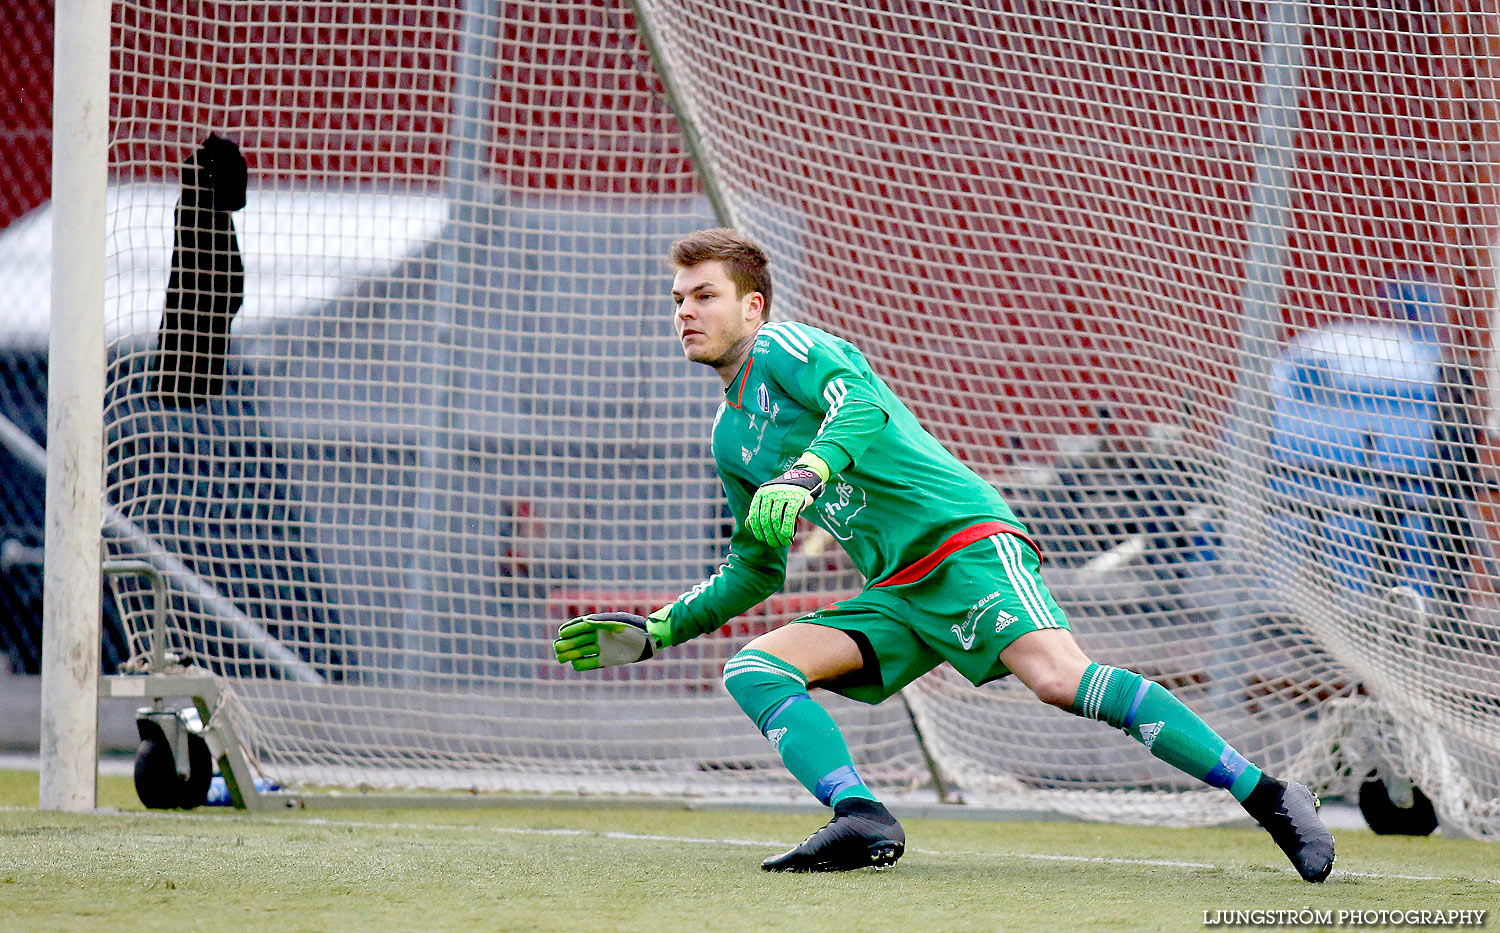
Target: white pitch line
{"x": 1169, "y": 863}
{"x": 766, "y": 843}
{"x": 762, "y": 843}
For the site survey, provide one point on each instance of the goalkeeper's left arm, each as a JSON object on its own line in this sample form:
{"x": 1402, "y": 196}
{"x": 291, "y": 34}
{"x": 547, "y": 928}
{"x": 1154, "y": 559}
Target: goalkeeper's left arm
{"x": 821, "y": 378}
{"x": 752, "y": 572}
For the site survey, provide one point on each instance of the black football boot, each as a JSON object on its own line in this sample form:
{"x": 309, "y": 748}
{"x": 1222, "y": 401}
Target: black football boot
{"x": 862, "y": 834}
{"x": 1289, "y": 812}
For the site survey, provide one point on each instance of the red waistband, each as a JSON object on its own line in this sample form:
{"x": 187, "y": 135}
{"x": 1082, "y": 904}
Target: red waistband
{"x": 959, "y": 540}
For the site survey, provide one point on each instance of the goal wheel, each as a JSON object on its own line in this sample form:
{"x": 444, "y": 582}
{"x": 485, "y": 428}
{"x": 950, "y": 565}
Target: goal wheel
{"x": 157, "y": 782}
{"x": 1386, "y": 818}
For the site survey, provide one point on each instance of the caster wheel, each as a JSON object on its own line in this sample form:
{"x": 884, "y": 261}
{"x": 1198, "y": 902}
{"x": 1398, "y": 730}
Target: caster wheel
{"x": 1385, "y": 818}
{"x": 157, "y": 782}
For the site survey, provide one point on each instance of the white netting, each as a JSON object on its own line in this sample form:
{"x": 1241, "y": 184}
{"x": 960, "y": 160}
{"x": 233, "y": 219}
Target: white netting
{"x": 451, "y": 412}
{"x": 25, "y": 153}
{"x": 1206, "y": 296}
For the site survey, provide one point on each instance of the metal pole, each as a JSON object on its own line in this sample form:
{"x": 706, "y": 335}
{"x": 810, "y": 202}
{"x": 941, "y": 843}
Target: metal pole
{"x": 939, "y": 786}
{"x": 75, "y": 408}
{"x": 1249, "y": 426}
{"x": 1265, "y": 264}
{"x": 685, "y": 124}
{"x": 192, "y": 586}
{"x": 158, "y": 662}
{"x": 469, "y": 158}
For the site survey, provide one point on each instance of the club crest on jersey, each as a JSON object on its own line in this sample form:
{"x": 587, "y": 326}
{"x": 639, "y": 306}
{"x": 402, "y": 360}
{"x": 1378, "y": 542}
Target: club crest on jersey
{"x": 763, "y": 397}
{"x": 758, "y": 425}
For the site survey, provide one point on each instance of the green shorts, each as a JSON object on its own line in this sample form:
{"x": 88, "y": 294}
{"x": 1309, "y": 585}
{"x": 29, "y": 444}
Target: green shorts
{"x": 966, "y": 611}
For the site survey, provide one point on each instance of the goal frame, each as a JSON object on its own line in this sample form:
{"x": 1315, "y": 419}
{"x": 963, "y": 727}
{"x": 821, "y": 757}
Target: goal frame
{"x": 74, "y": 458}
{"x": 75, "y": 410}
{"x": 76, "y": 513}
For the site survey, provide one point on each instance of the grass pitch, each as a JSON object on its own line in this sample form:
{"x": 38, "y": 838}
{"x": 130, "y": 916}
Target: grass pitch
{"x": 663, "y": 870}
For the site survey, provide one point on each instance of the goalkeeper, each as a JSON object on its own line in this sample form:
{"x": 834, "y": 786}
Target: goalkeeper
{"x": 806, "y": 427}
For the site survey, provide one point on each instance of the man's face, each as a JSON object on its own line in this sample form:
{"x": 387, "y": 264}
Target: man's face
{"x": 711, "y": 320}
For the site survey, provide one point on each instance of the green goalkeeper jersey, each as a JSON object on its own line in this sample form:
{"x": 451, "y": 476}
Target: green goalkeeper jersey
{"x": 894, "y": 494}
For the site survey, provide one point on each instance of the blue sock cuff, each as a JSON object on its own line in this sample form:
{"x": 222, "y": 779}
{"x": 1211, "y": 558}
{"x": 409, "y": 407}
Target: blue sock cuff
{"x": 763, "y": 685}
{"x": 1231, "y": 765}
{"x": 779, "y": 709}
{"x": 835, "y": 781}
{"x": 1135, "y": 705}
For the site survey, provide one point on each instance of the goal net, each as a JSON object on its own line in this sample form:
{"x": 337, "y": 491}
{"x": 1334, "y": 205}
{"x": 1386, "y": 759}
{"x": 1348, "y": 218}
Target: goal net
{"x": 1206, "y": 296}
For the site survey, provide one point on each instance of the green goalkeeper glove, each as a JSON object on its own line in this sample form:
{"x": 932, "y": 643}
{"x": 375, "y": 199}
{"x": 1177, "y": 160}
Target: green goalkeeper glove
{"x": 609, "y": 639}
{"x": 778, "y": 501}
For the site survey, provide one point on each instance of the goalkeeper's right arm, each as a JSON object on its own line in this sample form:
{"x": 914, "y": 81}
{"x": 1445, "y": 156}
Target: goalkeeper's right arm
{"x": 609, "y": 639}
{"x": 736, "y": 586}
{"x": 753, "y": 571}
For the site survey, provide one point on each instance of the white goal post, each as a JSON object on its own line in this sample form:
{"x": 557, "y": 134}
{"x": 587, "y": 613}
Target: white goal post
{"x": 75, "y": 418}
{"x": 1207, "y": 295}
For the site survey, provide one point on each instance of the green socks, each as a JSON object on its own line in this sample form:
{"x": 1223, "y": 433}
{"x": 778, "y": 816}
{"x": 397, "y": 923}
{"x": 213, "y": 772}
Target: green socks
{"x": 773, "y": 694}
{"x": 1168, "y": 729}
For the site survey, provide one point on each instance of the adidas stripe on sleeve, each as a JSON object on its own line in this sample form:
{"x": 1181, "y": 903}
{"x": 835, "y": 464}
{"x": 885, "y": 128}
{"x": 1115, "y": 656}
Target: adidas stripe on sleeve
{"x": 812, "y": 368}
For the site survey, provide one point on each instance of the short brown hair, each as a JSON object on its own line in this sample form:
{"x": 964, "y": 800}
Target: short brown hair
{"x": 748, "y": 267}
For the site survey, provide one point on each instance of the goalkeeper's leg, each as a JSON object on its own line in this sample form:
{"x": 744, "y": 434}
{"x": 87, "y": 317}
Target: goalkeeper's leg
{"x": 1052, "y": 665}
{"x": 769, "y": 679}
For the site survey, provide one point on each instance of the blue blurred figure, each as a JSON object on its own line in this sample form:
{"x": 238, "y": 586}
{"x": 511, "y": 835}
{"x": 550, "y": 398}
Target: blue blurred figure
{"x": 1373, "y": 453}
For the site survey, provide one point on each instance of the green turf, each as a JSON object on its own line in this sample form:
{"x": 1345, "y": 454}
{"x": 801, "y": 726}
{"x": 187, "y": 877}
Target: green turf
{"x": 661, "y": 870}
